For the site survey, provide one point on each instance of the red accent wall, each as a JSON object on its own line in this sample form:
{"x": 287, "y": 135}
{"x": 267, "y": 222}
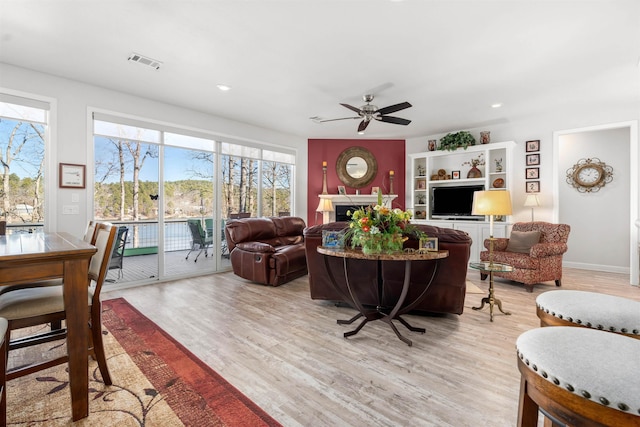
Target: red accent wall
{"x": 389, "y": 153}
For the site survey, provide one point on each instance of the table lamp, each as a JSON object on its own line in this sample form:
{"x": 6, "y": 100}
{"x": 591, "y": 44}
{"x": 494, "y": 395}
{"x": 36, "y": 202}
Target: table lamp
{"x": 532, "y": 202}
{"x": 325, "y": 206}
{"x": 495, "y": 202}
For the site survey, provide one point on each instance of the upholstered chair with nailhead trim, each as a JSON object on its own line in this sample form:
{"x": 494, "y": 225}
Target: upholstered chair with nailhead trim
{"x": 578, "y": 377}
{"x": 591, "y": 310}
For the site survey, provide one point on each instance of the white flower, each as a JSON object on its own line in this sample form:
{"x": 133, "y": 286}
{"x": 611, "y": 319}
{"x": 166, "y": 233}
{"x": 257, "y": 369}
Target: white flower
{"x": 374, "y": 230}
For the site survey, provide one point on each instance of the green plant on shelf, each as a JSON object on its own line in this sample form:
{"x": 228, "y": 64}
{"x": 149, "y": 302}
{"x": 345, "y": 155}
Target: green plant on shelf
{"x": 452, "y": 141}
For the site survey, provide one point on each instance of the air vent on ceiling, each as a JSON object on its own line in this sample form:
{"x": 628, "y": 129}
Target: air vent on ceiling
{"x": 135, "y": 57}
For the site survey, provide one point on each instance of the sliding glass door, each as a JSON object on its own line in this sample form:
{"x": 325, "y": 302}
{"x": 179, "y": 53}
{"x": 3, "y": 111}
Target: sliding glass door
{"x": 172, "y": 193}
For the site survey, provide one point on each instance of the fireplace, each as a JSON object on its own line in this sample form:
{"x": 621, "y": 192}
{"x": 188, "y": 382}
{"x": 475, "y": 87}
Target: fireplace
{"x": 341, "y": 211}
{"x": 341, "y": 203}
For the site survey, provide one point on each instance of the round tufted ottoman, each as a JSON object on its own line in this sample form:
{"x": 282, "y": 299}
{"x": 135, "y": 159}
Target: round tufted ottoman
{"x": 591, "y": 310}
{"x": 578, "y": 377}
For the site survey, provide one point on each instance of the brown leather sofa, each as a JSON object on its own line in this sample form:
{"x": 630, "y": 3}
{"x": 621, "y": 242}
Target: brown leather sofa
{"x": 445, "y": 295}
{"x": 267, "y": 250}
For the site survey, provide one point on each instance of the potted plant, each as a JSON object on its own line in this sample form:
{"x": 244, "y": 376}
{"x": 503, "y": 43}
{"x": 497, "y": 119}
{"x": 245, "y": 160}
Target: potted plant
{"x": 452, "y": 141}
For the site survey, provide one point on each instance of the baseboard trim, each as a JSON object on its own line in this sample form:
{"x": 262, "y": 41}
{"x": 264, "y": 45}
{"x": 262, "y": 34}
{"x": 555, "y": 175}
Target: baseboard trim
{"x": 597, "y": 267}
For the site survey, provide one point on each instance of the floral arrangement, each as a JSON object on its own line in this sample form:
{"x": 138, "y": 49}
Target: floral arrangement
{"x": 379, "y": 229}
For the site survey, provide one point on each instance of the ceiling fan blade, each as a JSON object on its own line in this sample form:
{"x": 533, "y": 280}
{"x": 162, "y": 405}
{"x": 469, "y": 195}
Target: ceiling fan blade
{"x": 394, "y": 120}
{"x": 363, "y": 125}
{"x": 393, "y": 108}
{"x": 357, "y": 110}
{"x": 343, "y": 118}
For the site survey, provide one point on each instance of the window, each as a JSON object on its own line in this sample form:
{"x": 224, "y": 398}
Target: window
{"x": 23, "y": 131}
{"x": 277, "y": 180}
{"x": 158, "y": 180}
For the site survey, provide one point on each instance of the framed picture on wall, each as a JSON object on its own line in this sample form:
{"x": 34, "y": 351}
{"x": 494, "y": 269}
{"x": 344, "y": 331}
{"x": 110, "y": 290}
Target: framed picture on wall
{"x": 533, "y": 186}
{"x": 532, "y": 173}
{"x": 533, "y": 145}
{"x": 533, "y": 159}
{"x": 71, "y": 176}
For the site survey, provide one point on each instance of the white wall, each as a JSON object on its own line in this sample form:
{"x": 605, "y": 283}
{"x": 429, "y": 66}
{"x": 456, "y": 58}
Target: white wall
{"x": 598, "y": 220}
{"x": 72, "y": 138}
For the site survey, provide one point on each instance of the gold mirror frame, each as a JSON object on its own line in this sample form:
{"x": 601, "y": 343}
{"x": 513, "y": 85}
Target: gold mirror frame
{"x": 341, "y": 167}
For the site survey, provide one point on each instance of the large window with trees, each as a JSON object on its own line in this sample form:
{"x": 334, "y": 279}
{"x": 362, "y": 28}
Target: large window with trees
{"x": 23, "y": 131}
{"x": 157, "y": 182}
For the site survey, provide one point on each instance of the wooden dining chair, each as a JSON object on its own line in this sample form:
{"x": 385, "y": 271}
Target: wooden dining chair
{"x": 4, "y": 339}
{"x": 90, "y": 232}
{"x": 38, "y": 305}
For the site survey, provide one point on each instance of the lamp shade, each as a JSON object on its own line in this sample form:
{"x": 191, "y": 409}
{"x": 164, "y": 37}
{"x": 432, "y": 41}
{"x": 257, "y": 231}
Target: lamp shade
{"x": 496, "y": 202}
{"x": 325, "y": 205}
{"x": 531, "y": 201}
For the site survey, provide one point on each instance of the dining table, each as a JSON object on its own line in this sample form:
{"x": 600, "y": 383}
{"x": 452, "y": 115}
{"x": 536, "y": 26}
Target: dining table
{"x": 33, "y": 257}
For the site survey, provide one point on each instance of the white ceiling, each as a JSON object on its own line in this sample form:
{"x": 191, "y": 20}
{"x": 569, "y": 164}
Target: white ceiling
{"x": 290, "y": 60}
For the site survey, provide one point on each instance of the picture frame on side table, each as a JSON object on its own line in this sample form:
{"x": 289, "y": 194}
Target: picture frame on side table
{"x": 72, "y": 176}
{"x": 342, "y": 190}
{"x": 533, "y": 145}
{"x": 455, "y": 174}
{"x": 533, "y": 186}
{"x": 532, "y": 173}
{"x": 533, "y": 159}
{"x": 333, "y": 239}
{"x": 428, "y": 244}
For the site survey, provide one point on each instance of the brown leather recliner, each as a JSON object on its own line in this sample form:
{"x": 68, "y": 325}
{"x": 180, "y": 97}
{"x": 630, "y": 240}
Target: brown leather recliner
{"x": 267, "y": 250}
{"x": 445, "y": 295}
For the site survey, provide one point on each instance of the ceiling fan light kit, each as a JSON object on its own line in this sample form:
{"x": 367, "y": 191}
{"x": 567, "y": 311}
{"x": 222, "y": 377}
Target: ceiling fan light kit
{"x": 369, "y": 112}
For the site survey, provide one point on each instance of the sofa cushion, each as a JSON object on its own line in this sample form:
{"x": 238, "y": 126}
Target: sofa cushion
{"x": 288, "y": 226}
{"x": 256, "y": 247}
{"x": 522, "y": 241}
{"x": 250, "y": 229}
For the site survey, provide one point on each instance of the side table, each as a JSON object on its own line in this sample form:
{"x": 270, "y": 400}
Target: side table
{"x": 491, "y": 267}
{"x": 377, "y": 313}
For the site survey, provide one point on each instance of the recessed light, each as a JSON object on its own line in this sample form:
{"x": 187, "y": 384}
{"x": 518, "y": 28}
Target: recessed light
{"x": 223, "y": 88}
{"x": 496, "y": 105}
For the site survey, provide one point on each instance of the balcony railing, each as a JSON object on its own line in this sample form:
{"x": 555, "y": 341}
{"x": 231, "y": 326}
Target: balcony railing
{"x": 142, "y": 237}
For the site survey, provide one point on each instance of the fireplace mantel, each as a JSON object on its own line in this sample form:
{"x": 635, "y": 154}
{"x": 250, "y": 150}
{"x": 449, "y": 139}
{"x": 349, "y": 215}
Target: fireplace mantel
{"x": 352, "y": 199}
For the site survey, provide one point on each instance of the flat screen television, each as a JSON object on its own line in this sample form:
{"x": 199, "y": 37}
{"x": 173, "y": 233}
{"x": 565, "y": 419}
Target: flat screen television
{"x": 454, "y": 202}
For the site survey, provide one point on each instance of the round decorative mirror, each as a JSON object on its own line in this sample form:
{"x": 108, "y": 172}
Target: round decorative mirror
{"x": 356, "y": 167}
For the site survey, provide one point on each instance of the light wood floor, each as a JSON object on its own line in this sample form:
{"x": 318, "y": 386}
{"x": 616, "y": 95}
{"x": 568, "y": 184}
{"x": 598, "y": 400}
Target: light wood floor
{"x": 286, "y": 352}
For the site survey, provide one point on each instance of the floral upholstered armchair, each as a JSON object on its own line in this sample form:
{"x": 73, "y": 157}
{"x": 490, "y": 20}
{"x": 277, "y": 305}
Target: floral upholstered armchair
{"x": 534, "y": 250}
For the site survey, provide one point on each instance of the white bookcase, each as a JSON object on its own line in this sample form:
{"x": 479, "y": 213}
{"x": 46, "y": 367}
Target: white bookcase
{"x": 433, "y": 169}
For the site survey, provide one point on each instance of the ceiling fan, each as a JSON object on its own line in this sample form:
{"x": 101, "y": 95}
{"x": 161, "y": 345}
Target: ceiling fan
{"x": 369, "y": 112}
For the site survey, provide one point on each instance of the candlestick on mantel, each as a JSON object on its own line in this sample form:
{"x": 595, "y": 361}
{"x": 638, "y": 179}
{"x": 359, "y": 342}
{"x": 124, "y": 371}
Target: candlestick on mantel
{"x": 324, "y": 178}
{"x": 391, "y": 174}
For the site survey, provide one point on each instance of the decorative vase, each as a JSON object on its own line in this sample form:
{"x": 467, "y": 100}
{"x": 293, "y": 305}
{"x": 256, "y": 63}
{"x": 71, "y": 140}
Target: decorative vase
{"x": 474, "y": 172}
{"x": 485, "y": 137}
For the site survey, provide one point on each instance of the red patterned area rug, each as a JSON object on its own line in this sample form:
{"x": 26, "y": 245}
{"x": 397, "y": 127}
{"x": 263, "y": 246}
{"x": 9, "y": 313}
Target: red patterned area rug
{"x": 156, "y": 382}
